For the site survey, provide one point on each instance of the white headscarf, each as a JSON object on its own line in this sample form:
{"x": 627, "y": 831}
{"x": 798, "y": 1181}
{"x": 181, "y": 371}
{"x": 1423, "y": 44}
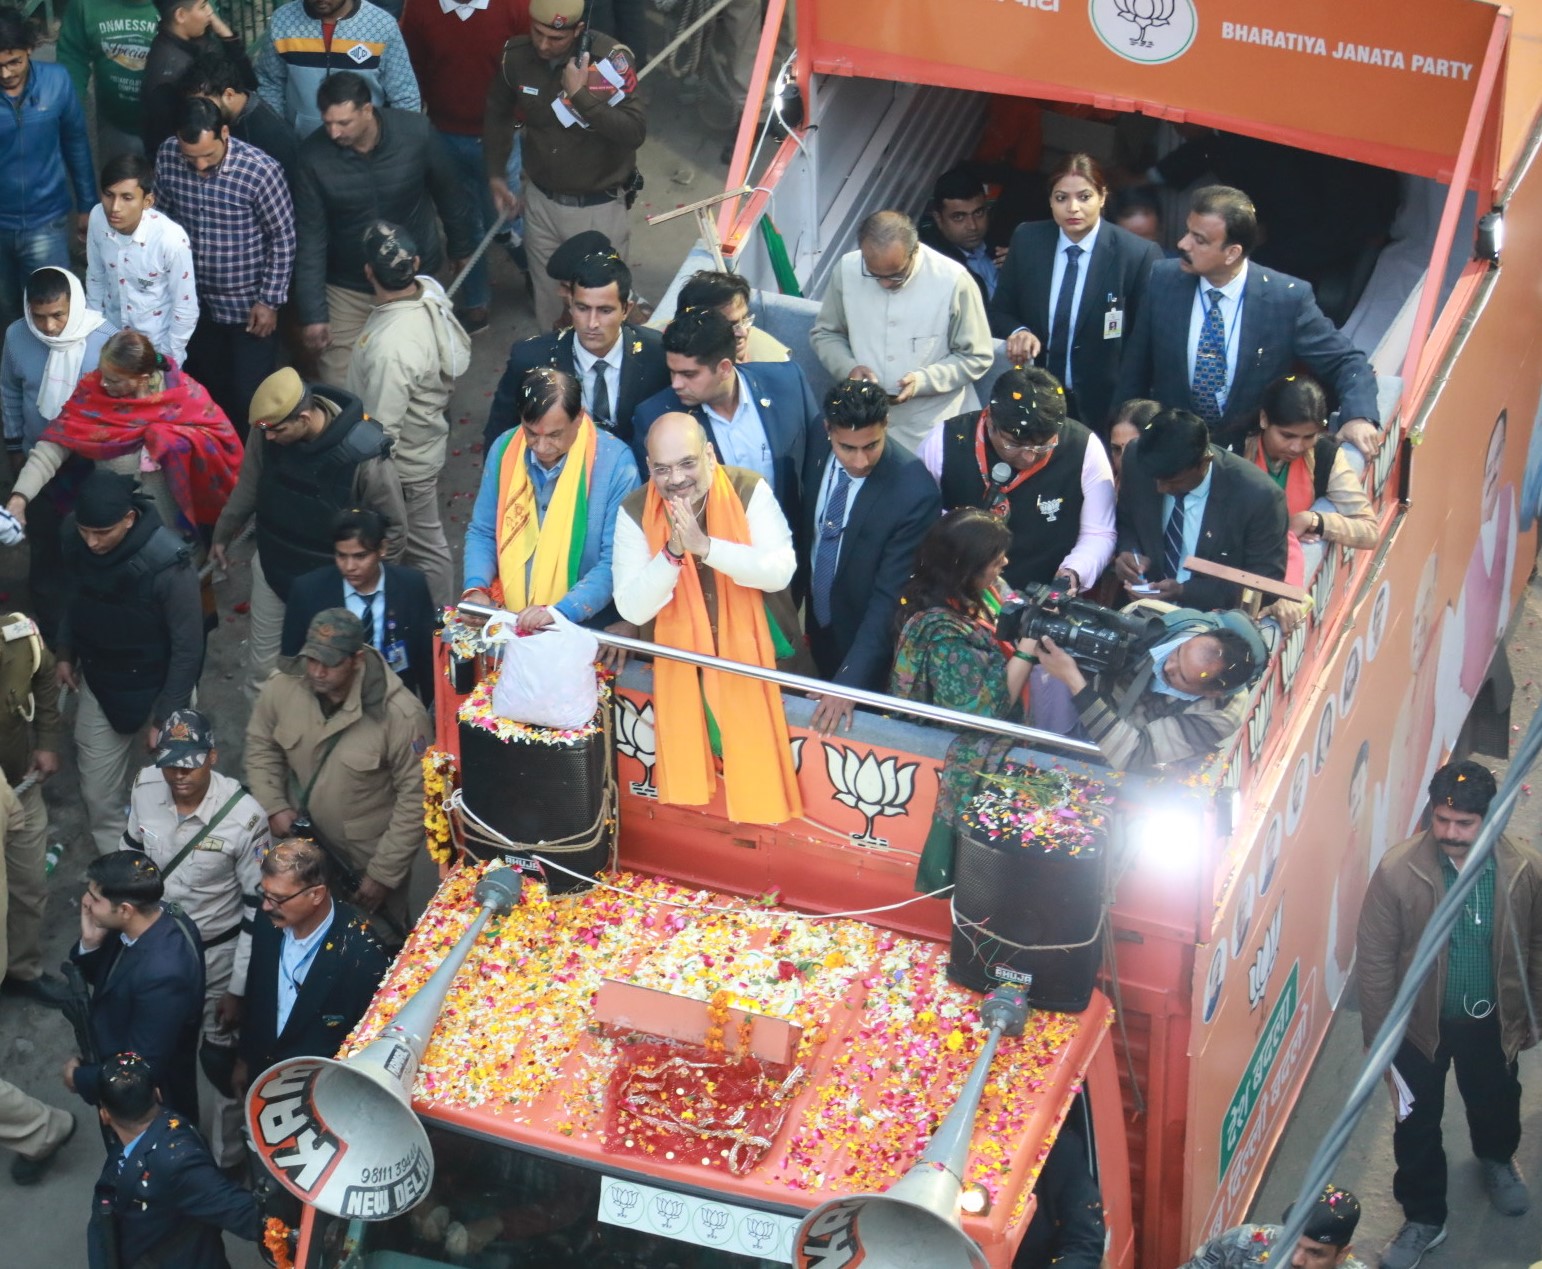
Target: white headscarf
{"x": 66, "y": 351}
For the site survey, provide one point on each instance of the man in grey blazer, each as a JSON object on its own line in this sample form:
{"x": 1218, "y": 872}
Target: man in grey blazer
{"x": 1215, "y": 331}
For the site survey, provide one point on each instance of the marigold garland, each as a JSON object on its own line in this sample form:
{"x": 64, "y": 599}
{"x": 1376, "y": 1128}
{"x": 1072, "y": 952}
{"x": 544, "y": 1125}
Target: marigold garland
{"x": 275, "y": 1238}
{"x": 438, "y": 780}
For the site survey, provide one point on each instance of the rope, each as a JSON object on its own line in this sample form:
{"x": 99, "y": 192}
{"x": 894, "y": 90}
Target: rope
{"x": 491, "y": 835}
{"x": 487, "y": 241}
{"x": 686, "y": 59}
{"x": 965, "y": 924}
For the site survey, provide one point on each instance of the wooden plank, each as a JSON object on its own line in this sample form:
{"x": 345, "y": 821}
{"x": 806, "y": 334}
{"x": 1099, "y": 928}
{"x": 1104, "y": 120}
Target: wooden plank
{"x": 1252, "y": 581}
{"x": 662, "y": 1013}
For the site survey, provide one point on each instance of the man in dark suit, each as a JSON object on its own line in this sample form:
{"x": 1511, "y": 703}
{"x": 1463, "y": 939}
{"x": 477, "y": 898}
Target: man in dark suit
{"x": 867, "y": 506}
{"x": 761, "y": 416}
{"x": 1215, "y": 331}
{"x": 629, "y": 358}
{"x": 144, "y": 962}
{"x": 391, "y": 601}
{"x": 1179, "y": 496}
{"x": 956, "y": 225}
{"x": 1098, "y": 316}
{"x": 314, "y": 969}
{"x": 160, "y": 1199}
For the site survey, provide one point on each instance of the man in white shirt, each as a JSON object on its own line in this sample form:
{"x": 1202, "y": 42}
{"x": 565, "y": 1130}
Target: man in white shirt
{"x": 683, "y": 470}
{"x": 139, "y": 263}
{"x": 904, "y": 316}
{"x": 207, "y": 835}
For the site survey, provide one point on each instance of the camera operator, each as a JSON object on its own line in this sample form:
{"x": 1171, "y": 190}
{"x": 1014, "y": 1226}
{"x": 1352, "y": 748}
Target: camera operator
{"x": 1176, "y": 703}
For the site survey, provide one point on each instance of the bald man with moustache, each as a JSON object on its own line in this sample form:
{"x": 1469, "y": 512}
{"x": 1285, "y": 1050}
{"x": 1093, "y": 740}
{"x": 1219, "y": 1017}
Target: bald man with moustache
{"x": 717, "y": 521}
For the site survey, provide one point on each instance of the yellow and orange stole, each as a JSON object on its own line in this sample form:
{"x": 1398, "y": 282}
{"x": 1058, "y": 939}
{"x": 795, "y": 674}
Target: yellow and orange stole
{"x": 760, "y": 783}
{"x": 552, "y": 557}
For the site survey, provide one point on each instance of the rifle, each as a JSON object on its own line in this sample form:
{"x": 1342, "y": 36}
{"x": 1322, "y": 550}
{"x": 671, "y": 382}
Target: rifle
{"x": 346, "y": 878}
{"x": 77, "y": 1011}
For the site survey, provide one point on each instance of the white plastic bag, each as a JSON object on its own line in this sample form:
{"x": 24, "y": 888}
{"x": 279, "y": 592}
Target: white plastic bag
{"x": 547, "y": 678}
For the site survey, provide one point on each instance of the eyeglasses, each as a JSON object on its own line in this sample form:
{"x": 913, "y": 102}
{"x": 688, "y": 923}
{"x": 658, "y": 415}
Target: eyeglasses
{"x": 1007, "y": 445}
{"x": 744, "y": 324}
{"x": 278, "y": 901}
{"x": 890, "y": 277}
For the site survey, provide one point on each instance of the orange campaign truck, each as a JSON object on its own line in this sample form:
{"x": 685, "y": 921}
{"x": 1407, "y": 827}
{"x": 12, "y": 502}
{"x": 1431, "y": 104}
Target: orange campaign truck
{"x": 1233, "y": 892}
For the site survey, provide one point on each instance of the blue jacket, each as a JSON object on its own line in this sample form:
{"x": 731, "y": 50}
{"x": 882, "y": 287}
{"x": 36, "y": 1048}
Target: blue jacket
{"x": 788, "y": 411}
{"x": 615, "y": 476}
{"x": 41, "y": 134}
{"x": 21, "y": 375}
{"x": 168, "y": 1198}
{"x": 148, "y": 999}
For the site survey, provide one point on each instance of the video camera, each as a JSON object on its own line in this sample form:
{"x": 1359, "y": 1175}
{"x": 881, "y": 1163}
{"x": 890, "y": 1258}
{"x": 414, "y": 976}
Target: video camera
{"x": 1098, "y": 638}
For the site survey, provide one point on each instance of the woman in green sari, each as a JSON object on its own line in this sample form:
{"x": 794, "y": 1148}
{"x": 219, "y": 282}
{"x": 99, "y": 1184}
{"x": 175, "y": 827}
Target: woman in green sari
{"x": 948, "y": 655}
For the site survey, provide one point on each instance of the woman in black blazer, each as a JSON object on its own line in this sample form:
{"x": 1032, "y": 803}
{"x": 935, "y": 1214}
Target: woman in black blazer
{"x": 1077, "y": 339}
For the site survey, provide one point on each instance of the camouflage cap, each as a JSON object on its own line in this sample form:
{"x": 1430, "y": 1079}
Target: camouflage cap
{"x": 335, "y": 634}
{"x": 392, "y": 252}
{"x": 187, "y": 739}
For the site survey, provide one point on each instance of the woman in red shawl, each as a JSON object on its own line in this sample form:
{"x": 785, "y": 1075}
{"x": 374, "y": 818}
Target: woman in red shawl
{"x": 139, "y": 414}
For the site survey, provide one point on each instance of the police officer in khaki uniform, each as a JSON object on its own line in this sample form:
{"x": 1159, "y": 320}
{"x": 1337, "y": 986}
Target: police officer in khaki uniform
{"x": 31, "y": 731}
{"x": 582, "y": 125}
{"x": 207, "y": 835}
{"x": 336, "y": 739}
{"x": 34, "y": 1130}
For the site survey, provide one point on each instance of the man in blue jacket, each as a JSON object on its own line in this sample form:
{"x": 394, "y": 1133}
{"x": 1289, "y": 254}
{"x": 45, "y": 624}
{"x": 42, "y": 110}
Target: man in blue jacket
{"x": 762, "y": 416}
{"x": 144, "y": 962}
{"x": 160, "y": 1199}
{"x": 43, "y": 139}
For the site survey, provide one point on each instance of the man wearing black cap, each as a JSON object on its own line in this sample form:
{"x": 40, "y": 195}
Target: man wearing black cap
{"x": 1179, "y": 495}
{"x": 1477, "y": 1011}
{"x": 337, "y": 739}
{"x": 404, "y": 368}
{"x": 1046, "y": 475}
{"x": 617, "y": 365}
{"x": 312, "y": 453}
{"x": 131, "y": 641}
{"x": 160, "y": 1200}
{"x": 1324, "y": 1244}
{"x": 207, "y": 835}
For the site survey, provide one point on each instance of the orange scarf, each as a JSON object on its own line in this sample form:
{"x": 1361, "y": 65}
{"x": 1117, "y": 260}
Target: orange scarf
{"x": 760, "y": 783}
{"x": 1299, "y": 496}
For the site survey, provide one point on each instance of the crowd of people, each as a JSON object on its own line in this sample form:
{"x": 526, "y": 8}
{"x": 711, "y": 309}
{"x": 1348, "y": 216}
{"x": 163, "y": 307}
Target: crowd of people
{"x": 260, "y": 345}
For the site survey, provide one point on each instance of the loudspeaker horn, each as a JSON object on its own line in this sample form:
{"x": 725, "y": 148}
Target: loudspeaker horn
{"x": 341, "y": 1135}
{"x": 915, "y": 1224}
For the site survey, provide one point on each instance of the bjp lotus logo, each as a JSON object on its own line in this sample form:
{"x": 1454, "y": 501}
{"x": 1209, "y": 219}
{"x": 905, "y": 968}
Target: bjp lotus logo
{"x": 634, "y": 738}
{"x": 1146, "y": 31}
{"x": 875, "y": 787}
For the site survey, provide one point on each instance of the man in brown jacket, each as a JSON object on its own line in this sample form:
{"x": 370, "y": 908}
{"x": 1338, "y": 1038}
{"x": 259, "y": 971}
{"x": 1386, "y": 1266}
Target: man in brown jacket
{"x": 337, "y": 739}
{"x": 1473, "y": 1012}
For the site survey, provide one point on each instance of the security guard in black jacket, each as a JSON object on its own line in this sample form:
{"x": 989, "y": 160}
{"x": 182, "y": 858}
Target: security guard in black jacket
{"x": 311, "y": 454}
{"x": 131, "y": 641}
{"x": 160, "y": 1202}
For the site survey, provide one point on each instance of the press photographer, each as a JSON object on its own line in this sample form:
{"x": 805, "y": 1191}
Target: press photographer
{"x": 1177, "y": 699}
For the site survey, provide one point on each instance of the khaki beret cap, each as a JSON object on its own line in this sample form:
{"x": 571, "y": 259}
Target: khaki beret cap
{"x": 276, "y": 397}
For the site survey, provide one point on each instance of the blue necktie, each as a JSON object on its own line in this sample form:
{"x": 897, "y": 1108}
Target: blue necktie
{"x": 1060, "y": 328}
{"x": 1210, "y": 362}
{"x": 1172, "y": 539}
{"x": 831, "y": 525}
{"x": 368, "y": 619}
